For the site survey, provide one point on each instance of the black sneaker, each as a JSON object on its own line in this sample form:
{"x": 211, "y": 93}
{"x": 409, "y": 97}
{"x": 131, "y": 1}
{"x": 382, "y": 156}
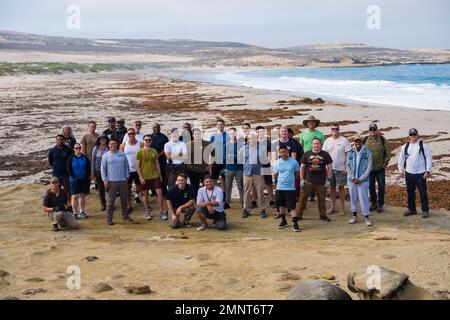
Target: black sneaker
{"x": 380, "y": 209}
{"x": 127, "y": 218}
{"x": 254, "y": 205}
{"x": 312, "y": 198}
{"x": 373, "y": 207}
{"x": 245, "y": 214}
{"x": 55, "y": 227}
{"x": 325, "y": 218}
{"x": 137, "y": 200}
{"x": 272, "y": 203}
{"x": 296, "y": 228}
{"x": 110, "y": 223}
{"x": 408, "y": 213}
{"x": 263, "y": 214}
{"x": 226, "y": 206}
{"x": 283, "y": 224}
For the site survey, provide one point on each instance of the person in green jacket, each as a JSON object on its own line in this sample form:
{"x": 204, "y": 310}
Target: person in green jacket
{"x": 381, "y": 153}
{"x": 307, "y": 136}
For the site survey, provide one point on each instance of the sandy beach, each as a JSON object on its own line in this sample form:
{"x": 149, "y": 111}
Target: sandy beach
{"x": 253, "y": 259}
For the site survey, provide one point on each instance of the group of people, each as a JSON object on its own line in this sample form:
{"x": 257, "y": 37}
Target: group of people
{"x": 183, "y": 171}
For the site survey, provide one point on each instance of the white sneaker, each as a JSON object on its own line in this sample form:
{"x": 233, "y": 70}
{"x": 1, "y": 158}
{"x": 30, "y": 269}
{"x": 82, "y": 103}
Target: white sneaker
{"x": 202, "y": 227}
{"x": 367, "y": 221}
{"x": 148, "y": 216}
{"x": 353, "y": 220}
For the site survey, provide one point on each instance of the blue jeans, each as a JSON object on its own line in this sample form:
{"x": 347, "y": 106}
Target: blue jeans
{"x": 380, "y": 177}
{"x": 413, "y": 181}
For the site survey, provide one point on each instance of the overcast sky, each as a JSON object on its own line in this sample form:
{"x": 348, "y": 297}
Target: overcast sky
{"x": 270, "y": 23}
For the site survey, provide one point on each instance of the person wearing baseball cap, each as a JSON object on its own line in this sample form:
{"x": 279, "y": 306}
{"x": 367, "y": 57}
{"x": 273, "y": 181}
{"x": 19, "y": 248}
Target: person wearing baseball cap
{"x": 359, "y": 166}
{"x": 54, "y": 204}
{"x": 121, "y": 130}
{"x": 111, "y": 127}
{"x": 415, "y": 164}
{"x": 381, "y": 154}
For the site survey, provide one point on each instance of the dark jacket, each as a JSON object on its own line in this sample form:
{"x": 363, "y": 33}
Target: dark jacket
{"x": 57, "y": 158}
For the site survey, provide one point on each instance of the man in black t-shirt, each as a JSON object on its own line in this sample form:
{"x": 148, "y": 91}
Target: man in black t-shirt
{"x": 54, "y": 204}
{"x": 315, "y": 176}
{"x": 180, "y": 199}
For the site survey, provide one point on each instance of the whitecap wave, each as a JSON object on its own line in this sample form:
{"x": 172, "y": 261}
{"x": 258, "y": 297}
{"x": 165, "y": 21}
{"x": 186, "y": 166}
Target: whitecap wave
{"x": 390, "y": 93}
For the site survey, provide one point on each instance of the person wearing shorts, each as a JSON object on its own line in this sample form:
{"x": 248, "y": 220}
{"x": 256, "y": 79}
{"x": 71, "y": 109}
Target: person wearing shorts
{"x": 147, "y": 167}
{"x": 54, "y": 204}
{"x": 338, "y": 147}
{"x": 286, "y": 171}
{"x": 79, "y": 169}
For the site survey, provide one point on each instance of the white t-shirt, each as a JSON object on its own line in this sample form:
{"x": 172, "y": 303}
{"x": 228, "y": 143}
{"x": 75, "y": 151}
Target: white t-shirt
{"x": 131, "y": 151}
{"x": 337, "y": 149}
{"x": 175, "y": 148}
{"x": 139, "y": 137}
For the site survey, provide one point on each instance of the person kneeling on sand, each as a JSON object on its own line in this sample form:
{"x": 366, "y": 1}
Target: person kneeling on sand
{"x": 210, "y": 205}
{"x": 54, "y": 203}
{"x": 181, "y": 199}
{"x": 359, "y": 166}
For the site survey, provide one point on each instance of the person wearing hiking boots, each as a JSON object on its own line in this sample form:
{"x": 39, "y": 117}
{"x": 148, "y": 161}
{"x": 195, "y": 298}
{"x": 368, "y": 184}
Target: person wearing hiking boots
{"x": 381, "y": 153}
{"x": 285, "y": 172}
{"x": 307, "y": 135}
{"x": 149, "y": 172}
{"x": 181, "y": 199}
{"x": 210, "y": 205}
{"x": 97, "y": 154}
{"x": 359, "y": 166}
{"x": 315, "y": 176}
{"x": 414, "y": 164}
{"x": 251, "y": 156}
{"x": 338, "y": 147}
{"x": 54, "y": 204}
{"x": 115, "y": 174}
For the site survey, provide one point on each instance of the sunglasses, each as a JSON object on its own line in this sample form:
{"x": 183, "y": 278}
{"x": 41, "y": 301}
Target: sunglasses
{"x": 334, "y": 129}
{"x": 372, "y": 129}
{"x": 413, "y": 134}
{"x": 54, "y": 182}
{"x": 76, "y": 148}
{"x": 148, "y": 140}
{"x": 132, "y": 134}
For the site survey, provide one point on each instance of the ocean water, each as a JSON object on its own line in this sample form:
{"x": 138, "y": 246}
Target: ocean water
{"x": 424, "y": 86}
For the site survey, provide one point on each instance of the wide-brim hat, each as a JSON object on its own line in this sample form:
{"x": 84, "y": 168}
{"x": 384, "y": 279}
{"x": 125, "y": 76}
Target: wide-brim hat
{"x": 311, "y": 118}
{"x": 102, "y": 136}
{"x": 357, "y": 137}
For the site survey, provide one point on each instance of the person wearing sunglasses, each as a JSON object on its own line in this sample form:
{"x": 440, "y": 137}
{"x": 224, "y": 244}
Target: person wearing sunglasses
{"x": 54, "y": 204}
{"x": 338, "y": 147}
{"x": 79, "y": 169}
{"x": 415, "y": 164}
{"x": 381, "y": 154}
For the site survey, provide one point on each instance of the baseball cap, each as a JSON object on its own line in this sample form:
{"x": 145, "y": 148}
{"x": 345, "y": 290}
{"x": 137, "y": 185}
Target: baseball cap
{"x": 373, "y": 126}
{"x": 53, "y": 179}
{"x": 413, "y": 131}
{"x": 111, "y": 119}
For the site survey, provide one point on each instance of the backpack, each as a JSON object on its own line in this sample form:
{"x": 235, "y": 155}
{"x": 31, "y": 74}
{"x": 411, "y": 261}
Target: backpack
{"x": 420, "y": 151}
{"x": 383, "y": 141}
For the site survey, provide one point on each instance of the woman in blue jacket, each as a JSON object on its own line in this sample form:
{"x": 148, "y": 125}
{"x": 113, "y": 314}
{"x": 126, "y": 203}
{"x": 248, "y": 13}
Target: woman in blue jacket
{"x": 359, "y": 165}
{"x": 79, "y": 170}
